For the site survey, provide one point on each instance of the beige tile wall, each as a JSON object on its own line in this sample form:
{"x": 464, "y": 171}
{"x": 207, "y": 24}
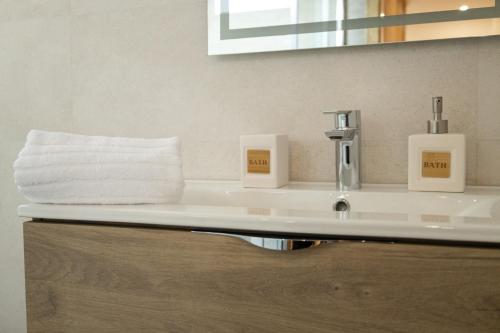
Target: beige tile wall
{"x": 139, "y": 68}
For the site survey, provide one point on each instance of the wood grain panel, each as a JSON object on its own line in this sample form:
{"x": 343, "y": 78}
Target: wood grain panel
{"x": 88, "y": 278}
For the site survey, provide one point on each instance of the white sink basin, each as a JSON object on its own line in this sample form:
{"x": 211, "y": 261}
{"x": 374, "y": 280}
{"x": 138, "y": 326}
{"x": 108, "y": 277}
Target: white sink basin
{"x": 476, "y": 202}
{"x": 377, "y": 211}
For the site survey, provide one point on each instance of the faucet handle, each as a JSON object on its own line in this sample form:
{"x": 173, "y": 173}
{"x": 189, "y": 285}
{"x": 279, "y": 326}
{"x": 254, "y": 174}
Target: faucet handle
{"x": 346, "y": 118}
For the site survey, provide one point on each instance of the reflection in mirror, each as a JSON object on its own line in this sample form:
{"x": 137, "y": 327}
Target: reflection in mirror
{"x": 239, "y": 26}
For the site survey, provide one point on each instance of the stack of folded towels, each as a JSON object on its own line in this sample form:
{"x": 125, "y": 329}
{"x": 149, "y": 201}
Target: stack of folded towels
{"x": 67, "y": 168}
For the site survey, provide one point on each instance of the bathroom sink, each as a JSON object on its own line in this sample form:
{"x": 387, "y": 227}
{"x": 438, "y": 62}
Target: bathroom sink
{"x": 476, "y": 202}
{"x": 307, "y": 209}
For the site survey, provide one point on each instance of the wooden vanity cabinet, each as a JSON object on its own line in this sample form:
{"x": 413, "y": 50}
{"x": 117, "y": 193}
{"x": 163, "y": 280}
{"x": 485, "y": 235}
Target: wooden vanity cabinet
{"x": 88, "y": 278}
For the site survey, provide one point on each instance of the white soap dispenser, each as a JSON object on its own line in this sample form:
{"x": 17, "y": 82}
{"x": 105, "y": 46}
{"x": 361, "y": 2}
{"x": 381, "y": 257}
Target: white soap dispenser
{"x": 436, "y": 160}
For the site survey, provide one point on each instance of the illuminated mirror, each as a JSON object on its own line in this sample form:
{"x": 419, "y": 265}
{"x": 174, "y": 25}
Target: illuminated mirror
{"x": 241, "y": 26}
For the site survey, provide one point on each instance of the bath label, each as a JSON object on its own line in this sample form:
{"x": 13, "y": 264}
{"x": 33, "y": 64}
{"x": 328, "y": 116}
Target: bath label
{"x": 258, "y": 161}
{"x": 436, "y": 164}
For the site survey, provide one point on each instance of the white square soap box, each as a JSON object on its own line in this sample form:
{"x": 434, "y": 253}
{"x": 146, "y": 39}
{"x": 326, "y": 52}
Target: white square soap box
{"x": 264, "y": 160}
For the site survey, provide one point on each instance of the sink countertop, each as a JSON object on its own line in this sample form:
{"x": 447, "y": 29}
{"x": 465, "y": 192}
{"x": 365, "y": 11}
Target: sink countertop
{"x": 377, "y": 211}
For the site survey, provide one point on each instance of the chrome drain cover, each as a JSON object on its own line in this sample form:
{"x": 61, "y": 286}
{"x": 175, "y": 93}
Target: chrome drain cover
{"x": 341, "y": 205}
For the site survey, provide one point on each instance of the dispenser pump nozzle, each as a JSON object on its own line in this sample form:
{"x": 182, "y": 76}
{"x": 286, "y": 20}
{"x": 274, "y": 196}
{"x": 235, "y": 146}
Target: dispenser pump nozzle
{"x": 437, "y": 125}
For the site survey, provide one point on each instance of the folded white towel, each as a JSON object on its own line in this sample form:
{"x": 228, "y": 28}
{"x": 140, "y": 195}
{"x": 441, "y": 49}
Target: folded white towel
{"x": 70, "y": 168}
{"x": 105, "y": 192}
{"x": 36, "y": 137}
{"x": 35, "y": 150}
{"x": 62, "y": 173}
{"x": 84, "y": 158}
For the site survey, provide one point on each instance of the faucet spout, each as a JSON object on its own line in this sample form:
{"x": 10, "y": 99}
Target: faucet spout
{"x": 347, "y": 137}
{"x": 343, "y": 134}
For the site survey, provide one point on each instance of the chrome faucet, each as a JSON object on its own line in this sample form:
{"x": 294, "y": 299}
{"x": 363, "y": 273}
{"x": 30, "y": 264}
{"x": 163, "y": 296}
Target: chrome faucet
{"x": 347, "y": 137}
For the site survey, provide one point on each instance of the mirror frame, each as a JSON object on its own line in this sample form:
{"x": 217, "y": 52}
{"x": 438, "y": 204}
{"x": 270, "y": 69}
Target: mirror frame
{"x": 224, "y": 40}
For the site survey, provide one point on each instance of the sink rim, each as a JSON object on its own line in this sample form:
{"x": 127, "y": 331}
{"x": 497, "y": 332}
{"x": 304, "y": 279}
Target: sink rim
{"x": 242, "y": 219}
